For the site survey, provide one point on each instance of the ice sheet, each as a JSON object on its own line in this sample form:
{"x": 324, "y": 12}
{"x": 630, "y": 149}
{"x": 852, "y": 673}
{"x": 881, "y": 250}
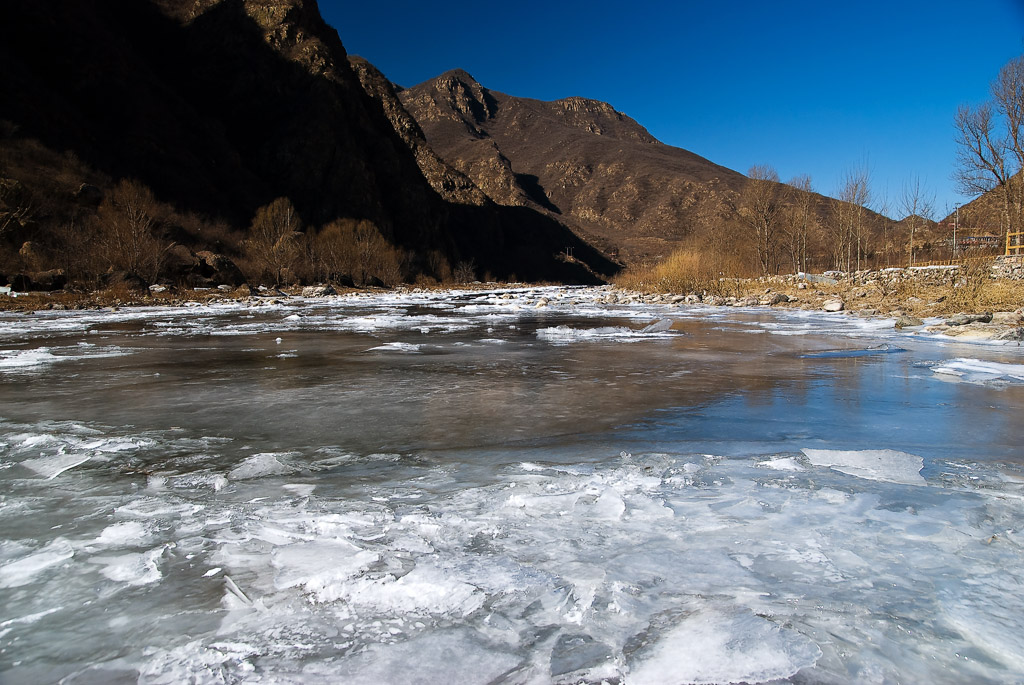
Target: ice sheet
{"x": 563, "y": 335}
{"x": 884, "y": 465}
{"x": 261, "y": 465}
{"x": 715, "y": 647}
{"x": 978, "y": 371}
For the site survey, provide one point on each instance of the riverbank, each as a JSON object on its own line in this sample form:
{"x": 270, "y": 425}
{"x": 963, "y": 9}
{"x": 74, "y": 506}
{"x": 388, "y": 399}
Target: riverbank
{"x": 979, "y": 302}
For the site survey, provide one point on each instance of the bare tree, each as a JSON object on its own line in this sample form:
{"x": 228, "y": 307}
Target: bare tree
{"x": 990, "y": 145}
{"x": 760, "y": 210}
{"x": 917, "y": 205}
{"x": 17, "y": 205}
{"x": 802, "y": 219}
{"x": 273, "y": 243}
{"x": 126, "y": 223}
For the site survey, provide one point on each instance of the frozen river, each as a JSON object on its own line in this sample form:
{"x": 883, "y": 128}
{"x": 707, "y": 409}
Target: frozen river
{"x": 471, "y": 488}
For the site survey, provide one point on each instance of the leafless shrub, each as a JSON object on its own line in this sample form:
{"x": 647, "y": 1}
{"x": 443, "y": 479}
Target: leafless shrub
{"x": 125, "y": 227}
{"x": 272, "y": 247}
{"x": 465, "y": 271}
{"x": 356, "y": 250}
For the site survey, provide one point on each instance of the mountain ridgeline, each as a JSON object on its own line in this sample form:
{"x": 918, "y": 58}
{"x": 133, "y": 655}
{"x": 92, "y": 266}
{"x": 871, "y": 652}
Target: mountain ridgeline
{"x": 579, "y": 160}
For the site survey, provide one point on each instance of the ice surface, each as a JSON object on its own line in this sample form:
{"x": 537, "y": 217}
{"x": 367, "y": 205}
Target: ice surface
{"x": 563, "y": 335}
{"x": 124, "y": 534}
{"x": 978, "y": 371}
{"x": 782, "y": 464}
{"x": 463, "y": 517}
{"x": 26, "y": 569}
{"x": 397, "y": 347}
{"x": 34, "y": 359}
{"x": 319, "y": 566}
{"x": 451, "y": 656}
{"x": 261, "y": 465}
{"x": 717, "y": 647}
{"x": 53, "y": 466}
{"x": 884, "y": 465}
{"x": 141, "y": 568}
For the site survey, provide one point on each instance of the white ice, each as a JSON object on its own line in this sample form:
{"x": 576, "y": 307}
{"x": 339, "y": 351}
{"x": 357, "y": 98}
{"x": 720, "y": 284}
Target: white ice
{"x": 52, "y": 466}
{"x": 24, "y": 570}
{"x": 261, "y": 465}
{"x": 978, "y": 371}
{"x": 883, "y": 465}
{"x": 717, "y": 647}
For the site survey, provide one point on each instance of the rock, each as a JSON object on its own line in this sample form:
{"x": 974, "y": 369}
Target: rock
{"x": 47, "y": 281}
{"x": 218, "y": 268}
{"x": 542, "y": 302}
{"x": 778, "y": 298}
{"x": 692, "y": 299}
{"x": 801, "y": 286}
{"x": 243, "y": 291}
{"x": 157, "y": 288}
{"x": 1008, "y": 318}
{"x": 834, "y": 306}
{"x": 1016, "y": 334}
{"x": 904, "y": 321}
{"x": 974, "y": 331}
{"x": 748, "y": 302}
{"x": 966, "y": 319}
{"x": 318, "y": 291}
{"x": 89, "y": 195}
{"x": 868, "y": 311}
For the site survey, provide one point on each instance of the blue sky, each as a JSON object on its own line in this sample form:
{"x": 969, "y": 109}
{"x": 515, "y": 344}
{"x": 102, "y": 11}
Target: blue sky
{"x": 814, "y": 88}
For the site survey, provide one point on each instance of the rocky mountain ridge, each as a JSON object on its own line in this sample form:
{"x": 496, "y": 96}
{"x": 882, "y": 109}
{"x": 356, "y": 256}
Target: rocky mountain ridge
{"x": 580, "y": 160}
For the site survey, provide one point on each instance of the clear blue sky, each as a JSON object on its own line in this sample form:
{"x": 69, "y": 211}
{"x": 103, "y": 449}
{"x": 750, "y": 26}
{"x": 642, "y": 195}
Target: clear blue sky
{"x": 811, "y": 88}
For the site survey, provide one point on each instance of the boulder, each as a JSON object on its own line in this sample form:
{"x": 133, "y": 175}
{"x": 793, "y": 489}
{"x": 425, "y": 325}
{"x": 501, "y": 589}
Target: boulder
{"x": 834, "y": 306}
{"x": 966, "y": 319}
{"x": 89, "y": 195}
{"x": 318, "y": 291}
{"x": 778, "y": 298}
{"x": 1008, "y": 318}
{"x": 975, "y": 331}
{"x": 905, "y": 321}
{"x": 218, "y": 268}
{"x": 47, "y": 281}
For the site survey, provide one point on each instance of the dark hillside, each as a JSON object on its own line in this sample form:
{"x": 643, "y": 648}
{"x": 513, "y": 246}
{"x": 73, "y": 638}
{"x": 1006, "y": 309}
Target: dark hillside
{"x": 220, "y": 107}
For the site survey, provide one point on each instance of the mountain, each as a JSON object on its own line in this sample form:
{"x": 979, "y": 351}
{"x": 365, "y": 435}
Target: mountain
{"x": 579, "y": 160}
{"x": 220, "y": 106}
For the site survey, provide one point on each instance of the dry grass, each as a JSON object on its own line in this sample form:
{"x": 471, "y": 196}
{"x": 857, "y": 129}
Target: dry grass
{"x": 685, "y": 271}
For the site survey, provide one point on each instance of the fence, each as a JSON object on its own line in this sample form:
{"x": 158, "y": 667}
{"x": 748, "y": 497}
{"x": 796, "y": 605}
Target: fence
{"x": 1014, "y": 244}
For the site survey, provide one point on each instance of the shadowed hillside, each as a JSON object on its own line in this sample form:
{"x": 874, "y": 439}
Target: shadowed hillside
{"x": 220, "y": 107}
